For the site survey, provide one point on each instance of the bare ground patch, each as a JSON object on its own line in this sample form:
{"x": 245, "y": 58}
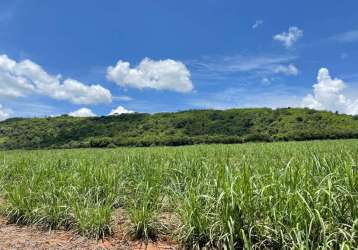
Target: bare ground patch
{"x": 29, "y": 237}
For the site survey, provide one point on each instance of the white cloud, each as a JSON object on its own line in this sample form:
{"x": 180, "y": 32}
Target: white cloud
{"x": 82, "y": 112}
{"x": 257, "y": 66}
{"x": 290, "y": 37}
{"x": 18, "y": 79}
{"x": 160, "y": 75}
{"x": 78, "y": 93}
{"x": 120, "y": 110}
{"x": 347, "y": 37}
{"x": 327, "y": 95}
{"x": 257, "y": 24}
{"x": 123, "y": 98}
{"x": 287, "y": 70}
{"x": 4, "y": 113}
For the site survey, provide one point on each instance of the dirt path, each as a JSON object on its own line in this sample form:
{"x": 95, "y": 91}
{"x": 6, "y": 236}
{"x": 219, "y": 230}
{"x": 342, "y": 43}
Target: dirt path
{"x": 31, "y": 237}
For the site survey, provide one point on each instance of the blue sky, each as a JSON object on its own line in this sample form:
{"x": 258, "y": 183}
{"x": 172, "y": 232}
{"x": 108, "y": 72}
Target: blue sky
{"x": 90, "y": 57}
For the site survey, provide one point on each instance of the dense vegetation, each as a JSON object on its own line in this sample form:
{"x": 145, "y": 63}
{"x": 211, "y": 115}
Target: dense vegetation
{"x": 181, "y": 128}
{"x": 299, "y": 195}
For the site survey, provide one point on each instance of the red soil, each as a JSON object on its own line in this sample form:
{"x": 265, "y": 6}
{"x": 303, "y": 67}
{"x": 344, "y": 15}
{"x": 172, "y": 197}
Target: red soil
{"x": 31, "y": 237}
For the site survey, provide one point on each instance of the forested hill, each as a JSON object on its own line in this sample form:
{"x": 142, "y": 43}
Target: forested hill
{"x": 180, "y": 128}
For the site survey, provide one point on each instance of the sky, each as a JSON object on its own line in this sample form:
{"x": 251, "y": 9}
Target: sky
{"x": 94, "y": 58}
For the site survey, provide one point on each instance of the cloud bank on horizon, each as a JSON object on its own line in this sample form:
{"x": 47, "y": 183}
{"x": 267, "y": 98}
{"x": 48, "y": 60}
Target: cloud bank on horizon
{"x": 82, "y": 112}
{"x": 86, "y": 112}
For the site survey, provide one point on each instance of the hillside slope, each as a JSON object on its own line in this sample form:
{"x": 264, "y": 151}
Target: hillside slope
{"x": 180, "y": 128}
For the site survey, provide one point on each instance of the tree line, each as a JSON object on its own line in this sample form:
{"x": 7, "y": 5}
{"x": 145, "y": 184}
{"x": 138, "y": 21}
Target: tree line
{"x": 175, "y": 129}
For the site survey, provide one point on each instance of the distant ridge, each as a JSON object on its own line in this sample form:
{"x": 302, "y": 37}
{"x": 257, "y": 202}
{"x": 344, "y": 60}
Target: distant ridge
{"x": 179, "y": 128}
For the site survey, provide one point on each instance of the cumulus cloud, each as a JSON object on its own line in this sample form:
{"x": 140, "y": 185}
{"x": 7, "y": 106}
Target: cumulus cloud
{"x": 4, "y": 113}
{"x": 120, "y": 110}
{"x": 287, "y": 70}
{"x": 290, "y": 37}
{"x": 160, "y": 75}
{"x": 18, "y": 79}
{"x": 82, "y": 112}
{"x": 257, "y": 24}
{"x": 327, "y": 95}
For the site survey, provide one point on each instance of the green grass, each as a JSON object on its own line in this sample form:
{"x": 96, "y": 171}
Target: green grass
{"x": 2, "y": 139}
{"x": 296, "y": 195}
